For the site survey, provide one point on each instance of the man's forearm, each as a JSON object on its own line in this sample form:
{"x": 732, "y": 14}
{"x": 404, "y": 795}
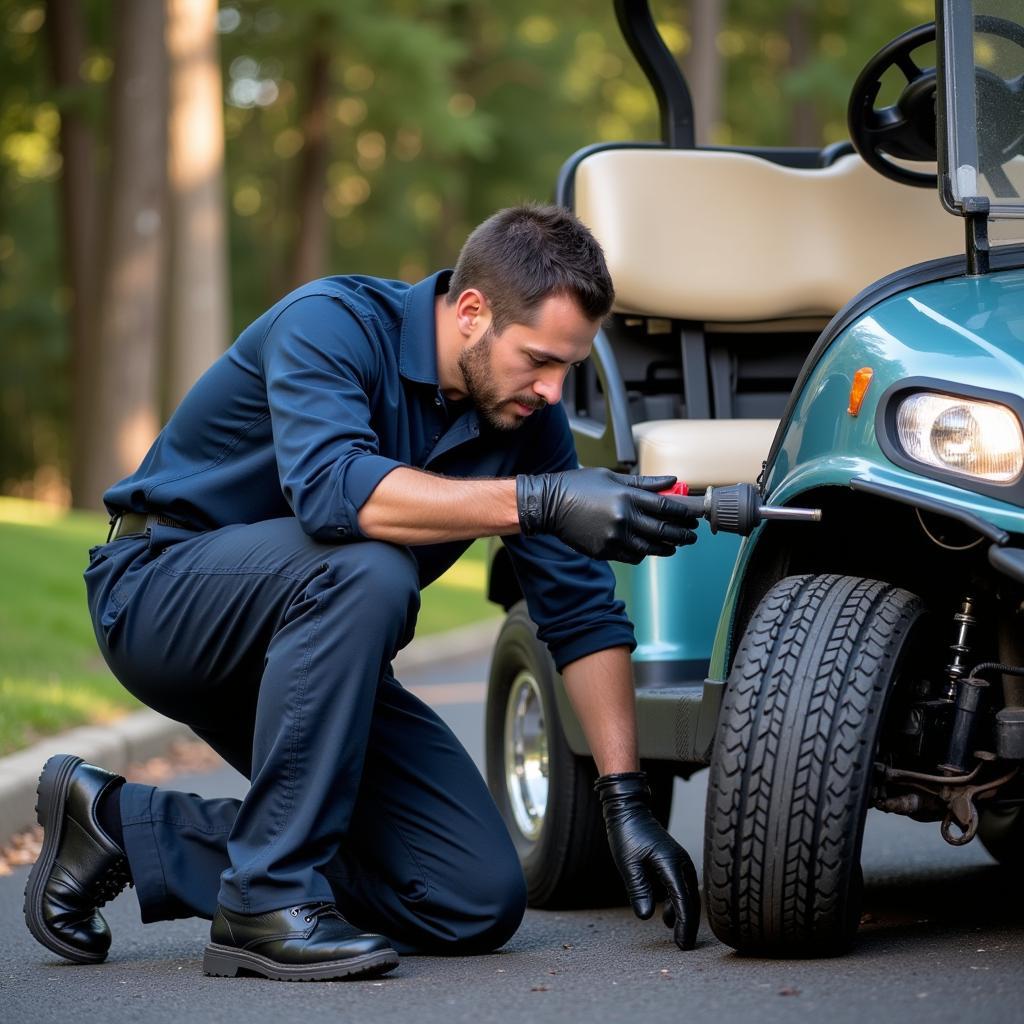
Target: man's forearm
{"x": 412, "y": 507}
{"x": 600, "y": 686}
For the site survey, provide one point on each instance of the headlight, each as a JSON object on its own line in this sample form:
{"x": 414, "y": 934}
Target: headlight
{"x": 982, "y": 440}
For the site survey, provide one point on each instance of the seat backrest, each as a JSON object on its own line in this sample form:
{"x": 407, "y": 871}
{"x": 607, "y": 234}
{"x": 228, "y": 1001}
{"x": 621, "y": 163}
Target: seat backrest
{"x": 724, "y": 237}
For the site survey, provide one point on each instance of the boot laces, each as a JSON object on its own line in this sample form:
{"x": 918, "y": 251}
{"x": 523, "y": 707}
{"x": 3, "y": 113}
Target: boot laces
{"x": 111, "y": 882}
{"x": 314, "y": 911}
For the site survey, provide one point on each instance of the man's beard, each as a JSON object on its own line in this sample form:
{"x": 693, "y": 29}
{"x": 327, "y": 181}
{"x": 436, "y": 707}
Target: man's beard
{"x": 475, "y": 366}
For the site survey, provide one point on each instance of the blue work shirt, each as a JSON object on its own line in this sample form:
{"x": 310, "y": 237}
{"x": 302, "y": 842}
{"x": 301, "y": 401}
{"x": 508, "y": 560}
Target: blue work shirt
{"x": 318, "y": 400}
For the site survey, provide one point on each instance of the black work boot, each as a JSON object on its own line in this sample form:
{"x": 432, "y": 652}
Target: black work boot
{"x": 79, "y": 868}
{"x": 312, "y": 942}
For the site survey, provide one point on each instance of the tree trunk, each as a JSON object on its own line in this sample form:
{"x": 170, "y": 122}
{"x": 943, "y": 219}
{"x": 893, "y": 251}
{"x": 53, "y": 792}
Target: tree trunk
{"x": 125, "y": 405}
{"x": 310, "y": 252}
{"x": 67, "y": 38}
{"x": 197, "y": 299}
{"x": 805, "y": 126}
{"x": 704, "y": 69}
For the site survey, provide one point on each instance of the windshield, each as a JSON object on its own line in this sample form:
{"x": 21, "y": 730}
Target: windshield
{"x": 983, "y": 66}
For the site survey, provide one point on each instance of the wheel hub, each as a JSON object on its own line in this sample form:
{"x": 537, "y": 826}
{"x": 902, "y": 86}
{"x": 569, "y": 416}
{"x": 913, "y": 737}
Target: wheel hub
{"x": 526, "y": 755}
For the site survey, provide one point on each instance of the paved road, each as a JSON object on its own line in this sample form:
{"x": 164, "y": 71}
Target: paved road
{"x": 944, "y": 941}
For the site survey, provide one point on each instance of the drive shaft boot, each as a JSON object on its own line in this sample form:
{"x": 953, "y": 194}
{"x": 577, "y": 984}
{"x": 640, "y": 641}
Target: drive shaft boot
{"x": 80, "y": 867}
{"x": 312, "y": 942}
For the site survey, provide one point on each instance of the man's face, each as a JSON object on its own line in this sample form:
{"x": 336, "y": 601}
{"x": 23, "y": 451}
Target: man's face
{"x": 510, "y": 375}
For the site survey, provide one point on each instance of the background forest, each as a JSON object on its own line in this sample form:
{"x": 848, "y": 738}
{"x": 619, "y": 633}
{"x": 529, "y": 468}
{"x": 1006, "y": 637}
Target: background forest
{"x": 169, "y": 168}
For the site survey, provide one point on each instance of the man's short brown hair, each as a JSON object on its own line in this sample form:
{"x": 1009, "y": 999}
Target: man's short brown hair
{"x": 523, "y": 255}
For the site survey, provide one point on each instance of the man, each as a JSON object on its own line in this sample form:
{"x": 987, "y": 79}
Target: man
{"x": 264, "y": 567}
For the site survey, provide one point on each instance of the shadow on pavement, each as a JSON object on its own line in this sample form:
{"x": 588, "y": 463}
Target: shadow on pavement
{"x": 941, "y": 900}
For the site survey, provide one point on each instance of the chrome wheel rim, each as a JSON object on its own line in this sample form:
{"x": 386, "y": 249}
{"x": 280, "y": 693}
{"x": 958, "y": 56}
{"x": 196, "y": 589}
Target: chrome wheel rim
{"x": 526, "y": 755}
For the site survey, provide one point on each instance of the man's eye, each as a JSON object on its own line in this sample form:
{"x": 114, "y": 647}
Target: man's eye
{"x": 535, "y": 361}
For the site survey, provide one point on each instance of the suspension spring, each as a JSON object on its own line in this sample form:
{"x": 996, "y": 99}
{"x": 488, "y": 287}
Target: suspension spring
{"x": 957, "y": 669}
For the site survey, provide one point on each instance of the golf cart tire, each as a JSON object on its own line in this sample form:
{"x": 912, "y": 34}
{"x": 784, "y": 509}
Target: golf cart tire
{"x": 569, "y": 864}
{"x": 792, "y": 763}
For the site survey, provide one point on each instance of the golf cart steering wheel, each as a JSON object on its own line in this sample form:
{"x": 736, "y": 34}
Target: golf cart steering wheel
{"x": 906, "y": 129}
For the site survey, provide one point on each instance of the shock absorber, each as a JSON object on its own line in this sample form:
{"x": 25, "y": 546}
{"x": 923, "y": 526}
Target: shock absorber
{"x": 970, "y": 691}
{"x": 956, "y": 670}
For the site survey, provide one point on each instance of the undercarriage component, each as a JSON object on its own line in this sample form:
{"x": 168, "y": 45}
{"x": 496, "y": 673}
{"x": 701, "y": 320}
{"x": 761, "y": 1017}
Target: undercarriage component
{"x": 963, "y": 812}
{"x": 958, "y": 793}
{"x": 945, "y": 730}
{"x": 957, "y": 668}
{"x": 907, "y": 803}
{"x": 954, "y": 794}
{"x": 1010, "y": 733}
{"x": 1009, "y": 722}
{"x": 968, "y": 697}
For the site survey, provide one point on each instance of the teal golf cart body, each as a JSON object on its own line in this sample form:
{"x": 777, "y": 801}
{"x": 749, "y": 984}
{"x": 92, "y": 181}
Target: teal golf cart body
{"x": 816, "y": 323}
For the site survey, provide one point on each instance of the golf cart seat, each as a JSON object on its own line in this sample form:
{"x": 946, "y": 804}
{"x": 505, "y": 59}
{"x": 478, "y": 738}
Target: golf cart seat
{"x": 726, "y": 237}
{"x": 704, "y": 453}
{"x": 726, "y": 267}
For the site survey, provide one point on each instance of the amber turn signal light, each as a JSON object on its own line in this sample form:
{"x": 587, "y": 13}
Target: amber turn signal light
{"x": 861, "y": 380}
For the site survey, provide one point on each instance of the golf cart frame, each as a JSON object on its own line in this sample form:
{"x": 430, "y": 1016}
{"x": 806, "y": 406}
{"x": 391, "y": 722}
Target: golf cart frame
{"x": 730, "y": 357}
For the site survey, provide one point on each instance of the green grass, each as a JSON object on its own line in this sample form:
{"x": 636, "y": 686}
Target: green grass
{"x": 51, "y": 674}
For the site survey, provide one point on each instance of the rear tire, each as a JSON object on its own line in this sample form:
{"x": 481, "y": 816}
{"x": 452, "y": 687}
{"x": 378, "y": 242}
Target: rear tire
{"x": 563, "y": 845}
{"x": 792, "y": 763}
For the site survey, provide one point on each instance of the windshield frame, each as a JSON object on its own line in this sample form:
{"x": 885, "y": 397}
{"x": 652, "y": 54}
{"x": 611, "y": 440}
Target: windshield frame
{"x": 956, "y": 114}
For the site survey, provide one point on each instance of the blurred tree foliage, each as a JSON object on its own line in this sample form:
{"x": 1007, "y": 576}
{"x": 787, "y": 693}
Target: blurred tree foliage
{"x": 437, "y": 113}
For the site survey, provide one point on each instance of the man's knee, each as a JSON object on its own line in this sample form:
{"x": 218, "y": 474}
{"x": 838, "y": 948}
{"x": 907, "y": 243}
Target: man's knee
{"x": 489, "y": 911}
{"x": 371, "y": 581}
{"x": 503, "y": 920}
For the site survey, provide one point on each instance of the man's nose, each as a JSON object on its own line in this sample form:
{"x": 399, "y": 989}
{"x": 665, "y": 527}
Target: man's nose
{"x": 549, "y": 387}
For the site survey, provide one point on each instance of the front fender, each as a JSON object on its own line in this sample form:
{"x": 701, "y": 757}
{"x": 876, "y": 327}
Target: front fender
{"x": 961, "y": 331}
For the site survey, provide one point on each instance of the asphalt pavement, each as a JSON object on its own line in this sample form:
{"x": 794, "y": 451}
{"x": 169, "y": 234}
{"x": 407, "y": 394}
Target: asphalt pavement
{"x": 942, "y": 940}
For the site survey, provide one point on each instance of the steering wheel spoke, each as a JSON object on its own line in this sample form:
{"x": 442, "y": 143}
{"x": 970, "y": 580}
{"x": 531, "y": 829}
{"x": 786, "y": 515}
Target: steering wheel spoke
{"x": 908, "y": 66}
{"x": 900, "y": 130}
{"x": 906, "y": 130}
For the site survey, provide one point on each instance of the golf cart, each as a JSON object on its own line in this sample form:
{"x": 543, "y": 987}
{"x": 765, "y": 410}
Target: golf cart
{"x": 823, "y": 327}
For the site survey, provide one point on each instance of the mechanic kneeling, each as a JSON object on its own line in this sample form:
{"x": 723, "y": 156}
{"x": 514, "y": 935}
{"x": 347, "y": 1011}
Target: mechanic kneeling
{"x": 264, "y": 568}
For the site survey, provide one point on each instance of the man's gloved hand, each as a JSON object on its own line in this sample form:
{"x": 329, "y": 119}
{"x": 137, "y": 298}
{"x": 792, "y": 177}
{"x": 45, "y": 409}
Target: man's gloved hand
{"x": 644, "y": 852}
{"x": 605, "y": 514}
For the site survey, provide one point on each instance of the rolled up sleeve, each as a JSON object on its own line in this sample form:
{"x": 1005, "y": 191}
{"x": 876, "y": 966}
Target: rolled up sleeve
{"x": 320, "y": 366}
{"x": 570, "y": 596}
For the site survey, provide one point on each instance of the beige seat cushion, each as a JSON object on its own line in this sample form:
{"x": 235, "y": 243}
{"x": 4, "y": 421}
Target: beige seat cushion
{"x": 704, "y": 453}
{"x": 711, "y": 236}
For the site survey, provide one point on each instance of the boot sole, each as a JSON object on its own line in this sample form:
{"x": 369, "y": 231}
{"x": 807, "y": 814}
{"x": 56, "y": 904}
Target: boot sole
{"x": 228, "y": 962}
{"x": 51, "y": 795}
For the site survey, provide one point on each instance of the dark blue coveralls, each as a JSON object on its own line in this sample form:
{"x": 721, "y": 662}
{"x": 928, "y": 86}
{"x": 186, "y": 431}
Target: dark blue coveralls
{"x": 268, "y": 625}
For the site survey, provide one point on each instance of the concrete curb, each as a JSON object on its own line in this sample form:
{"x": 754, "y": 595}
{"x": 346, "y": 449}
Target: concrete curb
{"x": 136, "y": 737}
{"x": 145, "y": 734}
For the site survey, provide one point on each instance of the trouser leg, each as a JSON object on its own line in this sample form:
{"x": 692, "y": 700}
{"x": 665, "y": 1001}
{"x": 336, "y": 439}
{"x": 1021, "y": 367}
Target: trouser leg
{"x": 426, "y": 861}
{"x": 177, "y": 843}
{"x": 177, "y": 848}
{"x": 321, "y": 623}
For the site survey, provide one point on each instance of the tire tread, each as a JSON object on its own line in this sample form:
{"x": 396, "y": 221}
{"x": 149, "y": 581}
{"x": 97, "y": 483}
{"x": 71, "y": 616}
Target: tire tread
{"x": 792, "y": 762}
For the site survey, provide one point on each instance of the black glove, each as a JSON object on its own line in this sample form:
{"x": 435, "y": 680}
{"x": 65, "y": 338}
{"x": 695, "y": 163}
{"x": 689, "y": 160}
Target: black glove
{"x": 644, "y": 852}
{"x": 605, "y": 514}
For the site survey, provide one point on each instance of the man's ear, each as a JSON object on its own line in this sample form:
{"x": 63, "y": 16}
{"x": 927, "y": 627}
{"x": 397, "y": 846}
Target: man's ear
{"x": 472, "y": 313}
